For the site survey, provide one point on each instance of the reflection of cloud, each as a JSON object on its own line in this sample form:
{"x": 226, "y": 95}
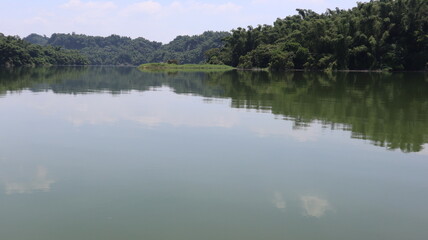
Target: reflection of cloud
{"x": 40, "y": 182}
{"x": 154, "y": 108}
{"x": 278, "y": 200}
{"x": 280, "y": 128}
{"x": 314, "y": 206}
{"x": 424, "y": 151}
{"x": 302, "y": 135}
{"x": 150, "y": 109}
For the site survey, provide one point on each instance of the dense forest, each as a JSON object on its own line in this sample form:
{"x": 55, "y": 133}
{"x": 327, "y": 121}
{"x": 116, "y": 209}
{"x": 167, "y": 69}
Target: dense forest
{"x": 117, "y": 50}
{"x": 376, "y": 35}
{"x": 17, "y": 52}
{"x": 380, "y": 34}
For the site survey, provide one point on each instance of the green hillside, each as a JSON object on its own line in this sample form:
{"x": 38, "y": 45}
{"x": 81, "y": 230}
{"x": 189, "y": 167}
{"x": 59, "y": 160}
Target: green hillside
{"x": 382, "y": 34}
{"x": 17, "y": 52}
{"x": 117, "y": 50}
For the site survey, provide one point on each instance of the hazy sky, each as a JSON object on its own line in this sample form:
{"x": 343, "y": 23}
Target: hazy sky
{"x": 157, "y": 20}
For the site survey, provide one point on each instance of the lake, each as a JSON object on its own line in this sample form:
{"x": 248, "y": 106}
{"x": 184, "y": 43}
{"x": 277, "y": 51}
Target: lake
{"x": 115, "y": 153}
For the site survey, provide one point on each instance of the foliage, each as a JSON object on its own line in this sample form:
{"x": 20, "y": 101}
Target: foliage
{"x": 380, "y": 34}
{"x": 111, "y": 50}
{"x": 117, "y": 50}
{"x": 17, "y": 52}
{"x": 37, "y": 39}
{"x": 189, "y": 49}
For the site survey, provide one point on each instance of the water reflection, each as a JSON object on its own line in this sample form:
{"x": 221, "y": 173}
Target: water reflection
{"x": 39, "y": 182}
{"x": 144, "y": 109}
{"x": 389, "y": 110}
{"x": 314, "y": 206}
{"x": 247, "y": 156}
{"x": 424, "y": 150}
{"x": 278, "y": 200}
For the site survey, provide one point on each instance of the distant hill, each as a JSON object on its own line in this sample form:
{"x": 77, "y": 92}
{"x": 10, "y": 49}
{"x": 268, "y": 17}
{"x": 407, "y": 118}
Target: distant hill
{"x": 189, "y": 49}
{"x": 17, "y": 52}
{"x": 117, "y": 50}
{"x": 374, "y": 35}
{"x": 37, "y": 39}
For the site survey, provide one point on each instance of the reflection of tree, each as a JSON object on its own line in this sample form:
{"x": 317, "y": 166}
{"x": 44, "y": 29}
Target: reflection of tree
{"x": 391, "y": 110}
{"x": 74, "y": 80}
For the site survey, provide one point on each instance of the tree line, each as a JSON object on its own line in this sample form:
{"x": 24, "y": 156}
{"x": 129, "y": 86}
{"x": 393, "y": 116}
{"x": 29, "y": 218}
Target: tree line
{"x": 377, "y": 35}
{"x": 17, "y": 52}
{"x": 117, "y": 50}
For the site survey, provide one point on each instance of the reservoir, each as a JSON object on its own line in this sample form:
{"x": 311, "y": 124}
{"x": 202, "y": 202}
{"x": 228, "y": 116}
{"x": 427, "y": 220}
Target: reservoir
{"x": 116, "y": 153}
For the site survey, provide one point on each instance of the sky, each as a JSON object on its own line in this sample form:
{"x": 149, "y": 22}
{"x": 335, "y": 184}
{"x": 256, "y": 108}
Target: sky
{"x": 156, "y": 20}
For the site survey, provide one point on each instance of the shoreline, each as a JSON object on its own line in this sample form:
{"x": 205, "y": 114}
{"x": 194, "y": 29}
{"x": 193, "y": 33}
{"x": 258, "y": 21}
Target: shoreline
{"x": 211, "y": 67}
{"x": 156, "y": 67}
{"x": 345, "y": 71}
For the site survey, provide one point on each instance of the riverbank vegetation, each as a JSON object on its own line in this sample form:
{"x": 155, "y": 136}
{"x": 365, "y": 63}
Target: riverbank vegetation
{"x": 17, "y": 52}
{"x": 377, "y": 35}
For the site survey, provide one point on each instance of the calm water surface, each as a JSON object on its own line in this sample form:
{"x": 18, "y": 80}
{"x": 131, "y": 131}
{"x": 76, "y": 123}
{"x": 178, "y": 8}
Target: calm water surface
{"x": 114, "y": 153}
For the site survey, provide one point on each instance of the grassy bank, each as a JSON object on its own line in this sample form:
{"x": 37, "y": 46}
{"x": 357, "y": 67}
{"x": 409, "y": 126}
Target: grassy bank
{"x": 183, "y": 67}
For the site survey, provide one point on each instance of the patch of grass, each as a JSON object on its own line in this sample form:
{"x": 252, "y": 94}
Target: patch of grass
{"x": 183, "y": 67}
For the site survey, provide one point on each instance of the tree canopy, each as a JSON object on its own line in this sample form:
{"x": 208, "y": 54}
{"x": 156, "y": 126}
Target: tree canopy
{"x": 17, "y": 52}
{"x": 117, "y": 50}
{"x": 376, "y": 35}
{"x": 380, "y": 34}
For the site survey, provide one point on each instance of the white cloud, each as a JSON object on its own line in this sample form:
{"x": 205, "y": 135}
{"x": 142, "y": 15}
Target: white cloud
{"x": 212, "y": 8}
{"x": 92, "y": 14}
{"x": 156, "y": 20}
{"x": 178, "y": 8}
{"x": 37, "y": 20}
{"x": 259, "y": 1}
{"x": 150, "y": 7}
{"x": 79, "y": 5}
{"x": 284, "y": 2}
